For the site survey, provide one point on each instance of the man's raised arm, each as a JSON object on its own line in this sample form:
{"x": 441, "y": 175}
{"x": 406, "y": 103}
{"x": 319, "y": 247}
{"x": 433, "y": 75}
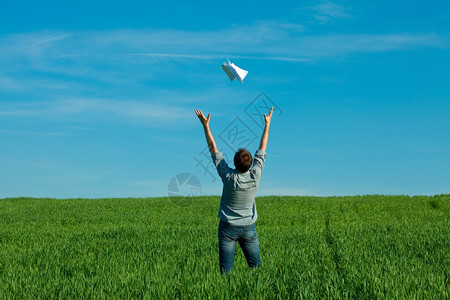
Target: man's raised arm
{"x": 209, "y": 137}
{"x": 265, "y": 136}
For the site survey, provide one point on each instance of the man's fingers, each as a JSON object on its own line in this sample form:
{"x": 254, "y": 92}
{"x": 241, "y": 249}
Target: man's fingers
{"x": 201, "y": 116}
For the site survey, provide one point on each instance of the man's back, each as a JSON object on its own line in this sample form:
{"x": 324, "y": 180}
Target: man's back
{"x": 237, "y": 205}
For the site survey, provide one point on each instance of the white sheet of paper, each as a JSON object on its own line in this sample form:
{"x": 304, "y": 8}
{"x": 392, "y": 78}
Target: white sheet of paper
{"x": 234, "y": 71}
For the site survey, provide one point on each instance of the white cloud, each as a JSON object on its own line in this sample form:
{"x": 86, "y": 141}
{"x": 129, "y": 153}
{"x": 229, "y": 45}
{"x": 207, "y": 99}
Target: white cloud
{"x": 67, "y": 62}
{"x": 218, "y": 56}
{"x": 36, "y": 133}
{"x": 327, "y": 12}
{"x": 280, "y": 43}
{"x": 8, "y": 83}
{"x": 339, "y": 45}
{"x": 33, "y": 42}
{"x": 110, "y": 110}
{"x": 83, "y": 60}
{"x": 266, "y": 40}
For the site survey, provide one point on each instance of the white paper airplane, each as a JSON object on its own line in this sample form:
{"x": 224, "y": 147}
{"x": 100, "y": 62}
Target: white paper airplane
{"x": 234, "y": 71}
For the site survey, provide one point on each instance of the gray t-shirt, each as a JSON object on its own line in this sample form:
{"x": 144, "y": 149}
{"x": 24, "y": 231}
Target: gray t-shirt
{"x": 237, "y": 206}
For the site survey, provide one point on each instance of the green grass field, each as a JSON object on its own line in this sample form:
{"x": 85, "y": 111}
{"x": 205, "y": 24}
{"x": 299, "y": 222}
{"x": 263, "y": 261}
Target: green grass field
{"x": 334, "y": 247}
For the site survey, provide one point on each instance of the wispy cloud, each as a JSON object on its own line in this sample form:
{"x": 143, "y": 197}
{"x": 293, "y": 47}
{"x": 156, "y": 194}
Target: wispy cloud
{"x": 8, "y": 83}
{"x": 36, "y": 133}
{"x": 327, "y": 12}
{"x": 74, "y": 60}
{"x": 122, "y": 57}
{"x": 31, "y": 43}
{"x": 218, "y": 56}
{"x": 262, "y": 40}
{"x": 343, "y": 44}
{"x": 84, "y": 109}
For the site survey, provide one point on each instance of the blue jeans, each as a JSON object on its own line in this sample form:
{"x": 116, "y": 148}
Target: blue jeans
{"x": 248, "y": 240}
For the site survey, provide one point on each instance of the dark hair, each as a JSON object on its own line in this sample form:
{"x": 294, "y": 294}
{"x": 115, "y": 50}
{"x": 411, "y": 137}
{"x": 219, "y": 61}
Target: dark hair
{"x": 243, "y": 160}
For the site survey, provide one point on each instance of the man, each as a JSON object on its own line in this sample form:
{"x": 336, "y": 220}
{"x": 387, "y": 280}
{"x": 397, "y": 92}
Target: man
{"x": 237, "y": 211}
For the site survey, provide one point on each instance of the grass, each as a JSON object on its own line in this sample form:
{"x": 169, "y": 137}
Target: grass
{"x": 373, "y": 246}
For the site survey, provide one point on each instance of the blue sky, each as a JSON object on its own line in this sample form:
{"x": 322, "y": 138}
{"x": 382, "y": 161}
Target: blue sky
{"x": 97, "y": 98}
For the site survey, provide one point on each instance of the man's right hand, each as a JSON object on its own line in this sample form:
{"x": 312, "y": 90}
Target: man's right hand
{"x": 268, "y": 118}
{"x": 265, "y": 136}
